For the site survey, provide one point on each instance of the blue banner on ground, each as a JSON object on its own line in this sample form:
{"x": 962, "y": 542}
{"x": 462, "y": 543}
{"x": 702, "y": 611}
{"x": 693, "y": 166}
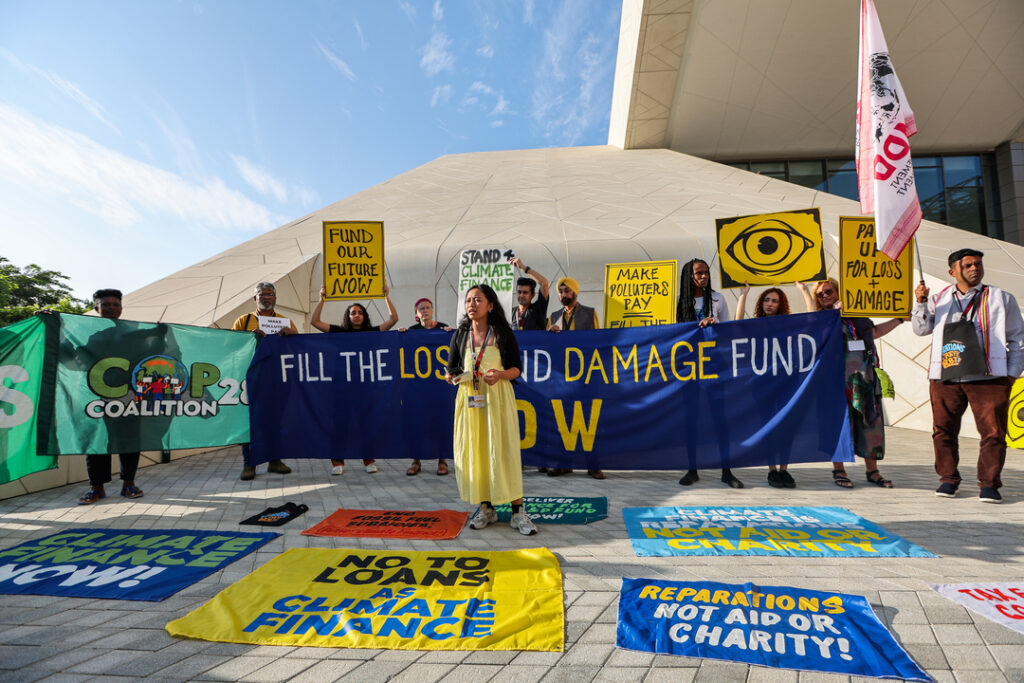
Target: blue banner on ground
{"x": 736, "y": 394}
{"x": 776, "y": 626}
{"x": 789, "y": 531}
{"x": 121, "y": 564}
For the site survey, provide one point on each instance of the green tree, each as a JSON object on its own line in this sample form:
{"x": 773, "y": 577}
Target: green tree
{"x": 23, "y": 291}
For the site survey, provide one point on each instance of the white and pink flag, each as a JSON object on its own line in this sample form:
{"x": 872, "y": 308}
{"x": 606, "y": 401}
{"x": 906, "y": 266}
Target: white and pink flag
{"x": 885, "y": 123}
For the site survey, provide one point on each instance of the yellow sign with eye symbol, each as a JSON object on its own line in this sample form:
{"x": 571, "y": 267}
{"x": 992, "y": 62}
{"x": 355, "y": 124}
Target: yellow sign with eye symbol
{"x": 1015, "y": 423}
{"x": 771, "y": 248}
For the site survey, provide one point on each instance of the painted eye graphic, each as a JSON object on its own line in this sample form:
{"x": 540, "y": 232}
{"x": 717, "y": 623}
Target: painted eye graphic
{"x": 769, "y": 247}
{"x": 1017, "y": 413}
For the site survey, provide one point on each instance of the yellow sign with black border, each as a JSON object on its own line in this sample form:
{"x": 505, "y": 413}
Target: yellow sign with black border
{"x": 872, "y": 285}
{"x": 771, "y": 248}
{"x": 353, "y": 256}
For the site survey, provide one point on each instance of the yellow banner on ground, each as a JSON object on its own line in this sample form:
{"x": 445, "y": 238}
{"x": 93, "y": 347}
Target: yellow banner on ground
{"x": 871, "y": 284}
{"x": 640, "y": 293}
{"x": 771, "y": 248}
{"x": 1015, "y": 424}
{"x": 445, "y": 600}
{"x": 353, "y": 260}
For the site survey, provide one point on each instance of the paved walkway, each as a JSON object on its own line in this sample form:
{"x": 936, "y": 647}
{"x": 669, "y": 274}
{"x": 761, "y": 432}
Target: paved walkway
{"x": 74, "y": 639}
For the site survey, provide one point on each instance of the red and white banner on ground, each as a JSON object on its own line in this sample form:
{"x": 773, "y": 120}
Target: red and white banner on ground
{"x": 1003, "y": 603}
{"x": 885, "y": 123}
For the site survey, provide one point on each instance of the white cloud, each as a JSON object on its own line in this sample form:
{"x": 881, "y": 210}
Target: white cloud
{"x": 260, "y": 179}
{"x": 497, "y": 124}
{"x": 528, "y": 12}
{"x": 485, "y": 51}
{"x": 438, "y": 11}
{"x": 442, "y": 94}
{"x": 565, "y": 100}
{"x": 436, "y": 56}
{"x": 336, "y": 62}
{"x": 478, "y": 86}
{"x": 359, "y": 30}
{"x": 123, "y": 191}
{"x": 501, "y": 107}
{"x": 66, "y": 87}
{"x": 176, "y": 133}
{"x": 410, "y": 11}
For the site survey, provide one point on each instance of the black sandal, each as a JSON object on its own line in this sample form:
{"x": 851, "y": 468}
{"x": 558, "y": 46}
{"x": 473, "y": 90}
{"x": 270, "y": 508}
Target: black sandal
{"x": 880, "y": 481}
{"x": 841, "y": 480}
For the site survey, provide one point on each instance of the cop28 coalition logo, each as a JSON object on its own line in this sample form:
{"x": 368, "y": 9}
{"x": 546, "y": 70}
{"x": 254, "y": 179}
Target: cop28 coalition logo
{"x": 159, "y": 386}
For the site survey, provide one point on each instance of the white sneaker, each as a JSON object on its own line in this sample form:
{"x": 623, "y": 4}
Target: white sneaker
{"x": 338, "y": 470}
{"x": 371, "y": 468}
{"x": 522, "y": 523}
{"x": 484, "y": 516}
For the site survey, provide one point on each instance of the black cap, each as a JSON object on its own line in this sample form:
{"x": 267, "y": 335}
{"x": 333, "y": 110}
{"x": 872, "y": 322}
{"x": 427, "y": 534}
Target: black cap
{"x": 961, "y": 253}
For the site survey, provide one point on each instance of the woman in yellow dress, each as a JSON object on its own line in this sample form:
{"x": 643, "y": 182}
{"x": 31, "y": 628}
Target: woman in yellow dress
{"x": 483, "y": 361}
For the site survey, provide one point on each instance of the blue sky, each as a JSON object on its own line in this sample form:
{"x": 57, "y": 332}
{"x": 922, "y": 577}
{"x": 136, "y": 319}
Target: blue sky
{"x": 137, "y": 138}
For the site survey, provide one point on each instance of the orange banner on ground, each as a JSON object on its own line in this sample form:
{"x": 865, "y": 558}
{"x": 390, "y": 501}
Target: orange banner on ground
{"x": 414, "y": 524}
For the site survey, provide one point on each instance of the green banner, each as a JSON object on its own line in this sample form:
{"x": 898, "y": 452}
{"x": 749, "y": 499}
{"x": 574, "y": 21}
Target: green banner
{"x": 21, "y": 369}
{"x": 120, "y": 386}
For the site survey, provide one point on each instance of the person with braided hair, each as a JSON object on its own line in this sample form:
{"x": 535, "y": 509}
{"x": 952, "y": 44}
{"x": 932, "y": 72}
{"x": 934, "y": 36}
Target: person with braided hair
{"x": 700, "y": 304}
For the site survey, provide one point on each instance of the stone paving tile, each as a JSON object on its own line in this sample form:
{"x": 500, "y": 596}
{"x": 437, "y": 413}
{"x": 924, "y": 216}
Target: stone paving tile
{"x": 328, "y": 672}
{"x": 280, "y": 670}
{"x": 761, "y": 674}
{"x": 670, "y": 675}
{"x": 571, "y": 674}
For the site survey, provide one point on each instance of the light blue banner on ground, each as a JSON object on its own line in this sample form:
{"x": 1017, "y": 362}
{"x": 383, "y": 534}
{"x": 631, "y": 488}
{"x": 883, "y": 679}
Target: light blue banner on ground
{"x": 121, "y": 564}
{"x": 775, "y": 626}
{"x": 786, "y": 531}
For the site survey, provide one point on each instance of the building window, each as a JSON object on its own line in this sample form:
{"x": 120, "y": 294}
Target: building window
{"x": 958, "y": 190}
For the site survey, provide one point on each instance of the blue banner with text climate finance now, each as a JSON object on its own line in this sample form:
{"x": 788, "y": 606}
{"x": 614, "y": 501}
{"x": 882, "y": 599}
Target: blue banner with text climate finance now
{"x": 735, "y": 394}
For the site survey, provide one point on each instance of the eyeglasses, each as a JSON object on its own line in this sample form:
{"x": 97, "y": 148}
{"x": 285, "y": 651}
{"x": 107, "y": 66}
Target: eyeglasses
{"x": 825, "y": 292}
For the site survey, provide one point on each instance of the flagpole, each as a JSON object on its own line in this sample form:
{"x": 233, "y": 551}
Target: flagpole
{"x": 920, "y": 266}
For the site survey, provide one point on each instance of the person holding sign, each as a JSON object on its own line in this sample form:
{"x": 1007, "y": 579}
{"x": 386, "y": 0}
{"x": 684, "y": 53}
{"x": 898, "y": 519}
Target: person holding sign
{"x": 527, "y": 314}
{"x": 484, "y": 361}
{"x": 423, "y": 311}
{"x": 573, "y": 316}
{"x": 356, "y": 319}
{"x": 772, "y": 301}
{"x": 863, "y": 388}
{"x": 700, "y": 304}
{"x": 977, "y": 351}
{"x": 265, "y": 295}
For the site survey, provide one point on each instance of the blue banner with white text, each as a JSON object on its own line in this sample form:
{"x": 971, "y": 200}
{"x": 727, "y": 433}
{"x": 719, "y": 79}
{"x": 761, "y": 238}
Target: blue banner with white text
{"x": 761, "y": 530}
{"x": 669, "y": 397}
{"x": 775, "y": 626}
{"x": 122, "y": 564}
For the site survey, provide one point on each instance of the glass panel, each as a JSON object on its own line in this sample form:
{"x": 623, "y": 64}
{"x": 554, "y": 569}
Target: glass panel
{"x": 921, "y": 162}
{"x": 929, "y": 191}
{"x": 842, "y": 165}
{"x": 965, "y": 209}
{"x": 772, "y": 168}
{"x": 844, "y": 184}
{"x": 806, "y": 173}
{"x": 743, "y": 165}
{"x": 962, "y": 171}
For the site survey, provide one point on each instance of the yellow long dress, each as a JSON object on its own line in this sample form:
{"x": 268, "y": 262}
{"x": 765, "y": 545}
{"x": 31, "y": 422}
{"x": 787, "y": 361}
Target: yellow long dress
{"x": 488, "y": 465}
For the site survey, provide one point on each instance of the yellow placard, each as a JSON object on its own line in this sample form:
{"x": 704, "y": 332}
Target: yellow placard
{"x": 353, "y": 260}
{"x": 444, "y": 600}
{"x": 640, "y": 293}
{"x": 871, "y": 284}
{"x": 771, "y": 248}
{"x": 1015, "y": 424}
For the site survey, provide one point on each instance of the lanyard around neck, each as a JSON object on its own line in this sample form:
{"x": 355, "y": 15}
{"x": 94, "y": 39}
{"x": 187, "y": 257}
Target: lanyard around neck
{"x": 478, "y": 357}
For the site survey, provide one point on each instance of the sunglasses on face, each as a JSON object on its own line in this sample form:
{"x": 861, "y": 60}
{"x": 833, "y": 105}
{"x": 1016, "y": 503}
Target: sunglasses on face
{"x": 825, "y": 292}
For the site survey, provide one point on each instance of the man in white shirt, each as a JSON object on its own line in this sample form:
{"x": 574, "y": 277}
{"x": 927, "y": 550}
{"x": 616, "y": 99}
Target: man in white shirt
{"x": 977, "y": 352}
